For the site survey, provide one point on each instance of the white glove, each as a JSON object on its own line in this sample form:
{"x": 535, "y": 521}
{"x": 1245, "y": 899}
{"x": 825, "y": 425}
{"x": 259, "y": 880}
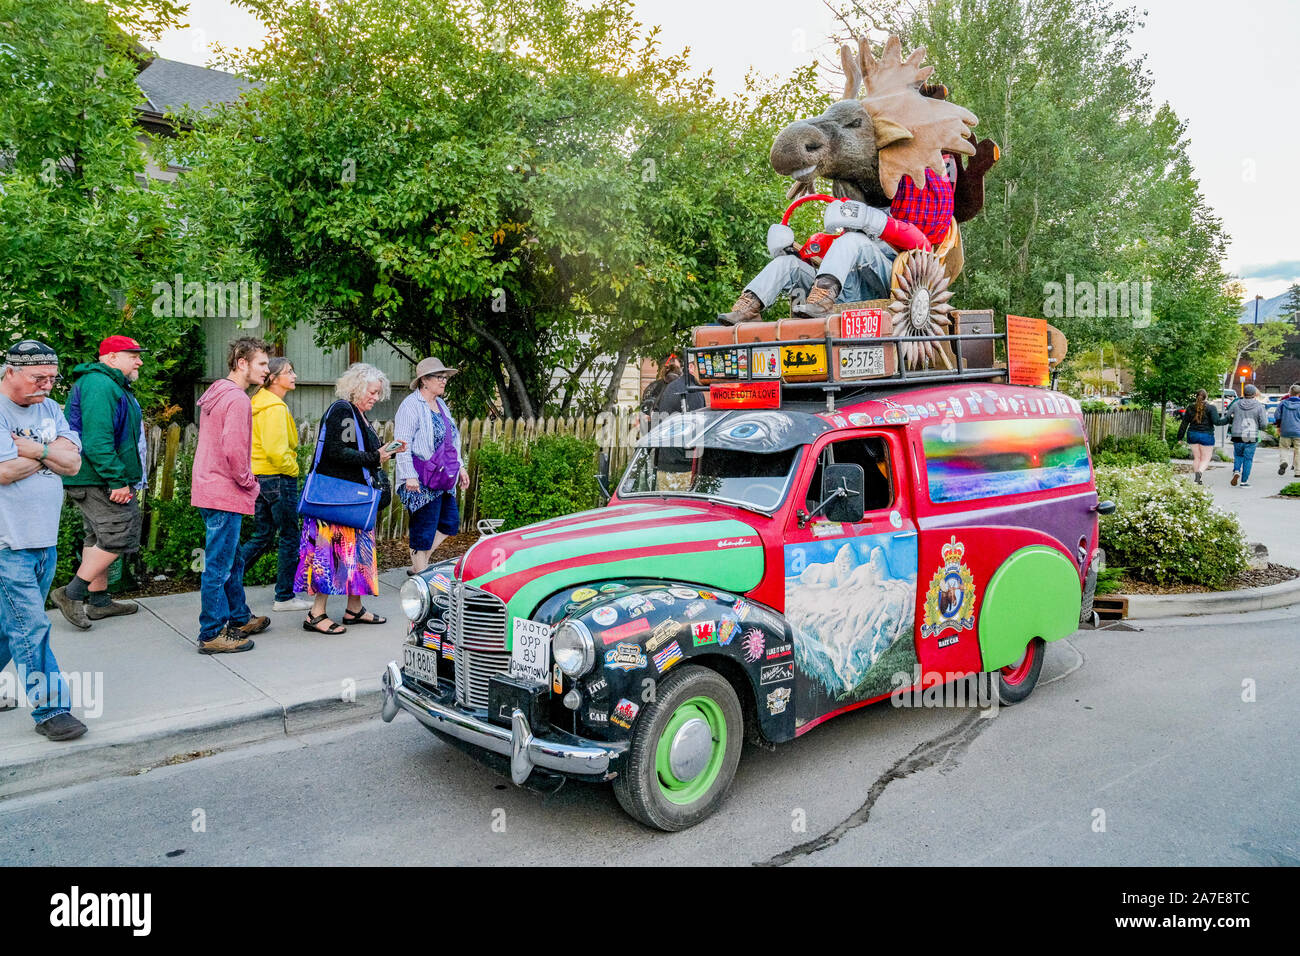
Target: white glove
{"x": 779, "y": 238}
{"x": 855, "y": 215}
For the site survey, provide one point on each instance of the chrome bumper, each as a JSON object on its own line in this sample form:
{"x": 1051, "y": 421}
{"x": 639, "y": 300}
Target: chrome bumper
{"x": 516, "y": 742}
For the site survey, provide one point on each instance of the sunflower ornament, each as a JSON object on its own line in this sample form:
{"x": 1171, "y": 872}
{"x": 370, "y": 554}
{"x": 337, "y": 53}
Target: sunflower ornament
{"x": 920, "y": 307}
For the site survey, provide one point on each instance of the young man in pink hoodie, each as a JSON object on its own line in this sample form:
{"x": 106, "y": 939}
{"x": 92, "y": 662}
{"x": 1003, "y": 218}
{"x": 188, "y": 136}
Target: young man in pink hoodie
{"x": 223, "y": 488}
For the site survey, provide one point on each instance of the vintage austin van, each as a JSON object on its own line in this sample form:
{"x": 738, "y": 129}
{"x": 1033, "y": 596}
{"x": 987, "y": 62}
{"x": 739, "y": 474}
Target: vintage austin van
{"x": 757, "y": 572}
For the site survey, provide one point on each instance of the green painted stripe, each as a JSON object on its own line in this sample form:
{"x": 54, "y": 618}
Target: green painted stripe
{"x": 741, "y": 571}
{"x": 620, "y": 519}
{"x": 681, "y": 533}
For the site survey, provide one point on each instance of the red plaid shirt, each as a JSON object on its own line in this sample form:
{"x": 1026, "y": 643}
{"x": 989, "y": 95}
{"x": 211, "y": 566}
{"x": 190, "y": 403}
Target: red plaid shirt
{"x": 929, "y": 209}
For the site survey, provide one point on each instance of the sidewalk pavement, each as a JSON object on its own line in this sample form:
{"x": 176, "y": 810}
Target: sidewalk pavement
{"x": 1272, "y": 521}
{"x": 147, "y": 695}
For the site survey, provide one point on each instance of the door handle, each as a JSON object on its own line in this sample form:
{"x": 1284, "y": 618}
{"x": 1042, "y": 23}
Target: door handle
{"x": 904, "y": 534}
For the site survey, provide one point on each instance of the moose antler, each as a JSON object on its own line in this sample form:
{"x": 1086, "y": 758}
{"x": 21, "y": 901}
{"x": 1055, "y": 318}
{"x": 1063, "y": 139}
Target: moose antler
{"x": 912, "y": 130}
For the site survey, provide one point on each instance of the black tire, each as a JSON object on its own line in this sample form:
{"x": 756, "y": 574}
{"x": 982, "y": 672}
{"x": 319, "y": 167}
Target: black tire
{"x": 639, "y": 789}
{"x": 1016, "y": 681}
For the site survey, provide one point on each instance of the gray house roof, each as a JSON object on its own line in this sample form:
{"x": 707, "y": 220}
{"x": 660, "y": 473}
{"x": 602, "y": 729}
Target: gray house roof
{"x": 169, "y": 85}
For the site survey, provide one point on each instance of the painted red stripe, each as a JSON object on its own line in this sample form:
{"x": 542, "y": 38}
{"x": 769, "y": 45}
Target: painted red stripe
{"x": 649, "y": 522}
{"x": 566, "y": 520}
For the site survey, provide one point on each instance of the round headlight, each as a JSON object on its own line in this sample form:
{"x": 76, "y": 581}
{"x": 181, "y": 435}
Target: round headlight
{"x": 415, "y": 598}
{"x": 574, "y": 650}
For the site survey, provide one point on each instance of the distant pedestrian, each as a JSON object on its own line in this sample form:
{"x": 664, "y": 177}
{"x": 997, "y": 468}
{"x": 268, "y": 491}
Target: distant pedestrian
{"x": 432, "y": 465}
{"x": 275, "y": 466}
{"x": 1288, "y": 429}
{"x": 103, "y": 410}
{"x": 1198, "y": 424}
{"x": 676, "y": 397}
{"x": 37, "y": 445}
{"x": 223, "y": 488}
{"x": 1248, "y": 416}
{"x": 335, "y": 558}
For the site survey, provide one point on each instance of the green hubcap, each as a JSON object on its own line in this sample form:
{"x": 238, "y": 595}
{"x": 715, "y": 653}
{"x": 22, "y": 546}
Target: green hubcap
{"x": 692, "y": 746}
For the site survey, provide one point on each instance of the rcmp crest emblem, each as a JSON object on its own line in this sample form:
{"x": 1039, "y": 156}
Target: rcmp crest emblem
{"x": 950, "y": 601}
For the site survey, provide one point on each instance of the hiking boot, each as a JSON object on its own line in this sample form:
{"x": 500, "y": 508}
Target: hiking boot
{"x": 1236, "y": 477}
{"x": 821, "y": 300}
{"x": 254, "y": 625}
{"x": 1281, "y": 469}
{"x": 229, "y": 641}
{"x": 73, "y": 611}
{"x": 61, "y": 727}
{"x": 748, "y": 308}
{"x": 111, "y": 609}
{"x": 293, "y": 604}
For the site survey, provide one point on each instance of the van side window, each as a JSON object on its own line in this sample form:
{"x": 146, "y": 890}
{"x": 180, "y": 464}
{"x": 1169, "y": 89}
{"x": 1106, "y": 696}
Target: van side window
{"x": 873, "y": 455}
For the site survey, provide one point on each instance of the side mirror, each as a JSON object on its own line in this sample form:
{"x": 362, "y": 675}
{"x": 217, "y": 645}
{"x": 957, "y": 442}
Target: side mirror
{"x": 1104, "y": 507}
{"x": 846, "y": 482}
{"x": 602, "y": 474}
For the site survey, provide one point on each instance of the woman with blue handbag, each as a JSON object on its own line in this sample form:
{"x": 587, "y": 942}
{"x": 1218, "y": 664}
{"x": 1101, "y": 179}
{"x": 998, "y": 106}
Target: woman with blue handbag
{"x": 431, "y": 467}
{"x": 341, "y": 499}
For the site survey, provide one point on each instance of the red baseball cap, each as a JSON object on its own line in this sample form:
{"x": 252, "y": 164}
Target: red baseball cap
{"x": 120, "y": 343}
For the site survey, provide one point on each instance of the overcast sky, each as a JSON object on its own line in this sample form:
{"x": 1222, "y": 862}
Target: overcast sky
{"x": 1228, "y": 69}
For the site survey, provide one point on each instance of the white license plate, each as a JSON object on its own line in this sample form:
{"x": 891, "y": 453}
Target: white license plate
{"x": 530, "y": 655}
{"x": 861, "y": 362}
{"x": 421, "y": 663}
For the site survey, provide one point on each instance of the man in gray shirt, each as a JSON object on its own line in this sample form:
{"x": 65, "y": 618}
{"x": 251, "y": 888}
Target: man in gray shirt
{"x": 36, "y": 447}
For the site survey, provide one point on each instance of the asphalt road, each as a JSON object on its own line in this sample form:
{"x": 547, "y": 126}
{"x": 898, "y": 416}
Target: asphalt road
{"x": 1136, "y": 748}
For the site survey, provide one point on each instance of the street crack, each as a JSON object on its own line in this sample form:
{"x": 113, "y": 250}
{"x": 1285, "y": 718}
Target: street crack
{"x": 944, "y": 748}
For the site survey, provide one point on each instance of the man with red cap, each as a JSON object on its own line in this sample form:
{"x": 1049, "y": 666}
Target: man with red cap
{"x": 107, "y": 489}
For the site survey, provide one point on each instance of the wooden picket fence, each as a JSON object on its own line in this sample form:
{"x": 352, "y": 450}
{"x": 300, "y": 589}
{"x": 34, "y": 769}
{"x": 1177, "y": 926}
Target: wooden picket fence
{"x": 615, "y": 433}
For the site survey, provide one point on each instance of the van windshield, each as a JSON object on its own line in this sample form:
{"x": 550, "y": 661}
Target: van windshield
{"x": 751, "y": 480}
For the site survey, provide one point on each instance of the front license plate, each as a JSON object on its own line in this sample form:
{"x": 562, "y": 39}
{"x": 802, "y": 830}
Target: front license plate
{"x": 421, "y": 663}
{"x": 861, "y": 362}
{"x": 530, "y": 656}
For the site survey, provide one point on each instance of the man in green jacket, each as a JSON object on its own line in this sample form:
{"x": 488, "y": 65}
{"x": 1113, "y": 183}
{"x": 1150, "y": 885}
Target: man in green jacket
{"x": 102, "y": 408}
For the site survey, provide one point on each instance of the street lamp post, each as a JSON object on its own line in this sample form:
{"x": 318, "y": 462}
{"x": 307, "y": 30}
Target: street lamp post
{"x": 1257, "y": 298}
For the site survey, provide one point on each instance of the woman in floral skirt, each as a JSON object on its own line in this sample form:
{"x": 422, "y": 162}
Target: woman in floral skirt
{"x": 333, "y": 558}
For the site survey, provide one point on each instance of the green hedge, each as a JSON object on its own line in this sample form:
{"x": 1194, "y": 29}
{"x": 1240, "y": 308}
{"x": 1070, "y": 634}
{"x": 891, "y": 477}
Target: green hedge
{"x": 549, "y": 476}
{"x": 1166, "y": 530}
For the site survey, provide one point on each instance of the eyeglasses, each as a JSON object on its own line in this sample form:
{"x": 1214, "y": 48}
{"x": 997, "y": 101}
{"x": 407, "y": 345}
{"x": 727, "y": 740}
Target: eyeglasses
{"x": 45, "y": 379}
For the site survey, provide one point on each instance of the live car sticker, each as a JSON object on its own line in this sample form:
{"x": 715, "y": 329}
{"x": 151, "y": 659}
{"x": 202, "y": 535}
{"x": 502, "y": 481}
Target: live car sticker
{"x": 626, "y": 657}
{"x": 583, "y": 594}
{"x": 597, "y": 717}
{"x": 777, "y": 700}
{"x": 664, "y": 632}
{"x": 754, "y": 642}
{"x": 685, "y": 594}
{"x": 776, "y": 673}
{"x": 950, "y": 601}
{"x": 597, "y": 687}
{"x": 727, "y": 629}
{"x": 704, "y": 632}
{"x": 605, "y": 616}
{"x": 669, "y": 656}
{"x": 635, "y": 626}
{"x": 950, "y": 639}
{"x": 625, "y": 713}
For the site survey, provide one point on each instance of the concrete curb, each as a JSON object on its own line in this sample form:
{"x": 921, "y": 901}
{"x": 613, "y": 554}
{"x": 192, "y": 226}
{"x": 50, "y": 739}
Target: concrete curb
{"x": 136, "y": 748}
{"x": 1146, "y": 606}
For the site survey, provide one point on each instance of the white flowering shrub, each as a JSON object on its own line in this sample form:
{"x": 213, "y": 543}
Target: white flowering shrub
{"x": 1167, "y": 530}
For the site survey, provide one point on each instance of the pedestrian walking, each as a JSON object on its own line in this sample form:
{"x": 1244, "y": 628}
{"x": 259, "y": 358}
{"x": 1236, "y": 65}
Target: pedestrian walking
{"x": 335, "y": 558}
{"x": 223, "y": 488}
{"x": 103, "y": 410}
{"x": 275, "y": 466}
{"x": 1247, "y": 417}
{"x": 37, "y": 446}
{"x": 1198, "y": 424}
{"x": 1288, "y": 429}
{"x": 432, "y": 465}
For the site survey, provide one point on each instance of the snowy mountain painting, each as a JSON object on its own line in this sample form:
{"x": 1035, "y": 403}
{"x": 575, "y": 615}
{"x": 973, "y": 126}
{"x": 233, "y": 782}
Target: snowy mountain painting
{"x": 850, "y": 603}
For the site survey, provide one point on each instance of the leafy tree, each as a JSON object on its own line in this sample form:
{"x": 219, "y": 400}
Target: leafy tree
{"x": 1291, "y": 304}
{"x": 531, "y": 190}
{"x": 82, "y": 238}
{"x": 1257, "y": 345}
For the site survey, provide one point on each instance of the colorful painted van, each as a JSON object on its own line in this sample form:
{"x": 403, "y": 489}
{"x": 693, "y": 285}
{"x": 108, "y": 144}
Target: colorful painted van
{"x": 757, "y": 572}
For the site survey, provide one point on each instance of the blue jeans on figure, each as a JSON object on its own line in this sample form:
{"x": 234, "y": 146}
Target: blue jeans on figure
{"x": 276, "y": 514}
{"x": 25, "y": 578}
{"x": 1243, "y": 456}
{"x": 861, "y": 264}
{"x": 222, "y": 583}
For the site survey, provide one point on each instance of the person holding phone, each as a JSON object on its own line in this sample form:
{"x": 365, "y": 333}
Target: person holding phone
{"x": 432, "y": 467}
{"x": 332, "y": 558}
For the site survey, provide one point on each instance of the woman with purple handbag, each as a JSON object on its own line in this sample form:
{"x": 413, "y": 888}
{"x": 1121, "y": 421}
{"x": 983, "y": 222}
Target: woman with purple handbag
{"x": 430, "y": 468}
{"x": 340, "y": 501}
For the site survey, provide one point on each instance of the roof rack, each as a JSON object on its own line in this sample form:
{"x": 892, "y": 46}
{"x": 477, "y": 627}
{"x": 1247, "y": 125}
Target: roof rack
{"x": 738, "y": 372}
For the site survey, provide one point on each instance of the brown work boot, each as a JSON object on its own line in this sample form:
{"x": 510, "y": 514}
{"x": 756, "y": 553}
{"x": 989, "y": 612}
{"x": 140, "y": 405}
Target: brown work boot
{"x": 254, "y": 625}
{"x": 821, "y": 300}
{"x": 74, "y": 611}
{"x": 98, "y": 612}
{"x": 748, "y": 308}
{"x": 229, "y": 641}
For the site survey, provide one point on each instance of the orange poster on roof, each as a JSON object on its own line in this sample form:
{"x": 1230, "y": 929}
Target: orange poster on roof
{"x": 1027, "y": 351}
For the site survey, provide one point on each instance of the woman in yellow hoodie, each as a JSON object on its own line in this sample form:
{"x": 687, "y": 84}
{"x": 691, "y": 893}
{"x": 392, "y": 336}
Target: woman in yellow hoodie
{"x": 275, "y": 465}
